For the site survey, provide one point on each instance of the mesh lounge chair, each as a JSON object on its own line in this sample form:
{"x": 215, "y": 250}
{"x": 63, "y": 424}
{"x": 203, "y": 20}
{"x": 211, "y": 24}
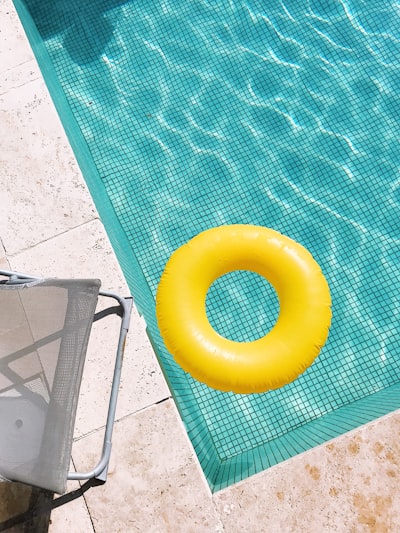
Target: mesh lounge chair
{"x": 44, "y": 331}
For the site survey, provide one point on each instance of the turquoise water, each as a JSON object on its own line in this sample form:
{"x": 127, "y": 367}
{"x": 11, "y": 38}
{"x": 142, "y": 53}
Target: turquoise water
{"x": 193, "y": 114}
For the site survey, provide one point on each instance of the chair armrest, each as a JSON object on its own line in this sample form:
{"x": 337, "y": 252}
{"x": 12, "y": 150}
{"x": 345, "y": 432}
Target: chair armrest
{"x": 124, "y": 310}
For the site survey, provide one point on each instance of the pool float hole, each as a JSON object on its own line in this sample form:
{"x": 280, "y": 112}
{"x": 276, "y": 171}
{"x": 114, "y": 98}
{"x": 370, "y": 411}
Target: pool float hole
{"x": 242, "y": 306}
{"x": 270, "y": 362}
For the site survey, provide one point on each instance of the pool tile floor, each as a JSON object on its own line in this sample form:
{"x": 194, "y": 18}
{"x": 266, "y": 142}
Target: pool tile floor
{"x": 49, "y": 226}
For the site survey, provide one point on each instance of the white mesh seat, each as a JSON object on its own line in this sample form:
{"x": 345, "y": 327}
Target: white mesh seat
{"x": 45, "y": 326}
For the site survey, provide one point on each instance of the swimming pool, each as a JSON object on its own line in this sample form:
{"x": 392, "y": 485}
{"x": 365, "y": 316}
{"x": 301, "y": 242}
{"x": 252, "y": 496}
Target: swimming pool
{"x": 188, "y": 115}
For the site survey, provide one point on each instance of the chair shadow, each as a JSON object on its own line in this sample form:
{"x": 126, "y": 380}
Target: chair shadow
{"x": 38, "y": 504}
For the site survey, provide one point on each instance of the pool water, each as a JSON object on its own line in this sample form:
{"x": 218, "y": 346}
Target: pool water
{"x": 186, "y": 115}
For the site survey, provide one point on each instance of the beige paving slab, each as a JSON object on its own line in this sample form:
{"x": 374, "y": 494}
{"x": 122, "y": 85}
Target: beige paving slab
{"x": 14, "y": 47}
{"x": 72, "y": 516}
{"x": 18, "y": 75}
{"x": 86, "y": 252}
{"x": 155, "y": 484}
{"x": 3, "y": 260}
{"x": 349, "y": 485}
{"x": 37, "y": 161}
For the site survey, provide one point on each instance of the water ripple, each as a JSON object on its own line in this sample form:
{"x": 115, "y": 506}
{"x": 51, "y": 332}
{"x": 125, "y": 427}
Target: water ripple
{"x": 281, "y": 113}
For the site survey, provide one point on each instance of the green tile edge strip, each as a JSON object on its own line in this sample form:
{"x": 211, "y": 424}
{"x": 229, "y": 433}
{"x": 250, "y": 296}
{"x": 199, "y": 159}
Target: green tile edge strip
{"x": 219, "y": 473}
{"x": 312, "y": 434}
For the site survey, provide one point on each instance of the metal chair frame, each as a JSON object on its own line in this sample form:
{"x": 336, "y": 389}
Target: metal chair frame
{"x": 123, "y": 310}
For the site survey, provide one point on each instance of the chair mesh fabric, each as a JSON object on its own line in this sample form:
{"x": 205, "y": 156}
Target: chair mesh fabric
{"x": 44, "y": 332}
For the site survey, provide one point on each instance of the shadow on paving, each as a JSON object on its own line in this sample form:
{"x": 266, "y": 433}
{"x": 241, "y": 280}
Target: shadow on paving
{"x": 25, "y": 509}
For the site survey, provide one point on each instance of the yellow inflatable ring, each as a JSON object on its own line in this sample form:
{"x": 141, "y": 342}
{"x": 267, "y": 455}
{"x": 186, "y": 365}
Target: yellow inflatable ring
{"x": 243, "y": 367}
